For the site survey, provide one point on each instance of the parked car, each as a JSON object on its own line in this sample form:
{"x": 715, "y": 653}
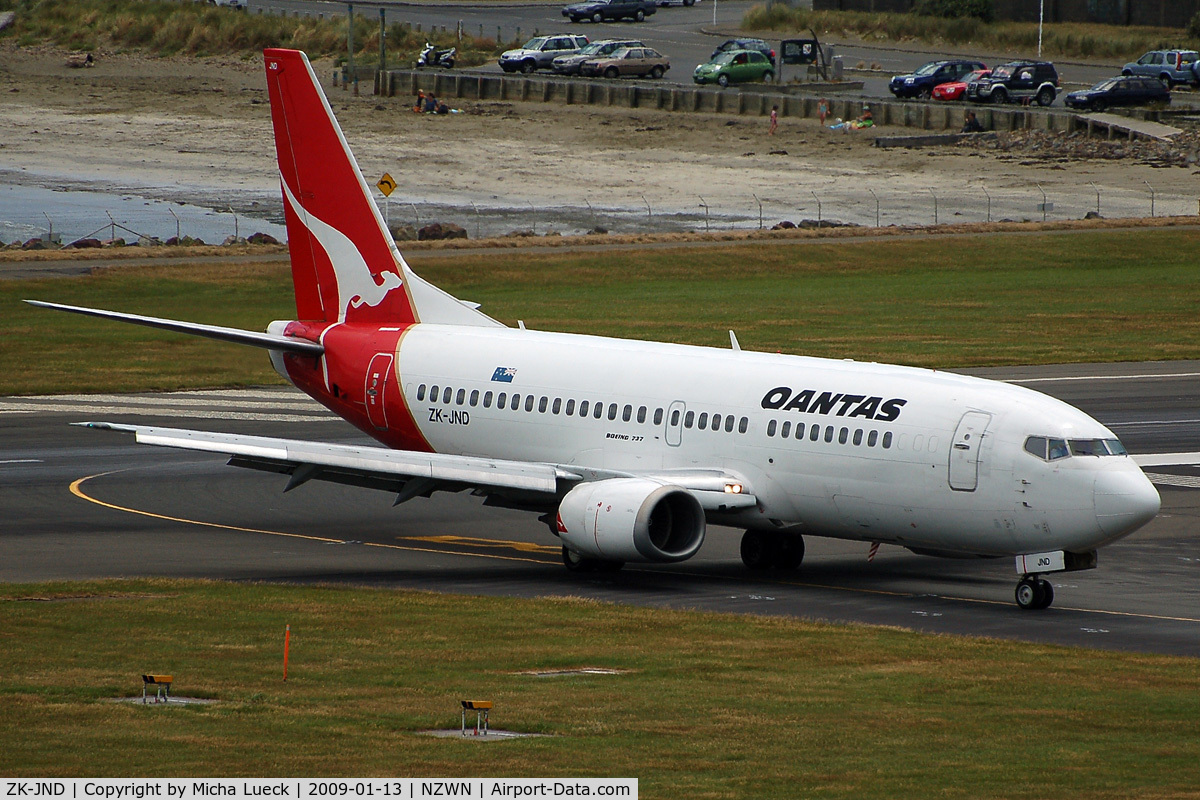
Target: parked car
{"x": 1124, "y": 91}
{"x": 665, "y": 3}
{"x": 1169, "y": 66}
{"x": 640, "y": 61}
{"x": 1017, "y": 80}
{"x": 729, "y": 45}
{"x": 956, "y": 89}
{"x": 611, "y": 10}
{"x": 540, "y": 52}
{"x": 920, "y": 83}
{"x": 735, "y": 66}
{"x": 569, "y": 64}
{"x": 239, "y": 5}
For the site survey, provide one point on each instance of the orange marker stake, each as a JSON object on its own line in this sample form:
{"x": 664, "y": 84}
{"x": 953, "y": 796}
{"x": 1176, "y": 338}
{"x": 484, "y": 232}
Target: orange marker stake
{"x": 287, "y": 637}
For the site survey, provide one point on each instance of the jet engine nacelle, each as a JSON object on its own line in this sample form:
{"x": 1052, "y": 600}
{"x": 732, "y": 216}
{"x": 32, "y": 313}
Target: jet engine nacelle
{"x": 631, "y": 519}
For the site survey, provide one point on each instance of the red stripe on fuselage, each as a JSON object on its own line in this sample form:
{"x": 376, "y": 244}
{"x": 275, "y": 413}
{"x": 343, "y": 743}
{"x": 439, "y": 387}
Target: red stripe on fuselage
{"x": 338, "y": 379}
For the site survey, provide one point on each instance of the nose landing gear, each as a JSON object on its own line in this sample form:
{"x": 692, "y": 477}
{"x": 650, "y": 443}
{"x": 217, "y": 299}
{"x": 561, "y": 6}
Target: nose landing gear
{"x": 1034, "y": 593}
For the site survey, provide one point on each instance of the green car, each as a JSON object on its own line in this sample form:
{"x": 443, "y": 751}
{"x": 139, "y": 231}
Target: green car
{"x": 735, "y": 66}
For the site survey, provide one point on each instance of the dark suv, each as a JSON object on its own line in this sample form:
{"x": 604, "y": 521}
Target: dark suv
{"x": 1017, "y": 81}
{"x": 935, "y": 73}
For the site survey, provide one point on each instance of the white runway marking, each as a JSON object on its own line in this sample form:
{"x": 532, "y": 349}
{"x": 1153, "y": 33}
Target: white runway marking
{"x": 236, "y": 404}
{"x": 1185, "y": 481}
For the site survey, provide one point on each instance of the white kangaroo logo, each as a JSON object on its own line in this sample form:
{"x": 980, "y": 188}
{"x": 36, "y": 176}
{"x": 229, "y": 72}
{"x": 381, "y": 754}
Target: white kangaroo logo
{"x": 356, "y": 285}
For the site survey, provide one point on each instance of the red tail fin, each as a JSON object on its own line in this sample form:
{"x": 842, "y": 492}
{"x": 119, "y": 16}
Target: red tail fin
{"x": 343, "y": 265}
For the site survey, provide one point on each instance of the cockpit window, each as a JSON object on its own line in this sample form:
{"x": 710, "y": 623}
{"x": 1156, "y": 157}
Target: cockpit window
{"x": 1088, "y": 447}
{"x": 1049, "y": 449}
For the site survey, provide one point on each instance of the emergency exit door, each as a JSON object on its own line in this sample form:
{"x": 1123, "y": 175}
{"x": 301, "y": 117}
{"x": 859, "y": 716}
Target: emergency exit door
{"x": 375, "y": 393}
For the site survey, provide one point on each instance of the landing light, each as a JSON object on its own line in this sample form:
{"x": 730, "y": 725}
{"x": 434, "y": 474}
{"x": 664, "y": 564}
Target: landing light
{"x": 733, "y": 488}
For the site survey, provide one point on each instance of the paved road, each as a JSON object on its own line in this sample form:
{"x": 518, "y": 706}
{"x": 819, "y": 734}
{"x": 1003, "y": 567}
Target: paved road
{"x": 687, "y": 35}
{"x": 90, "y": 504}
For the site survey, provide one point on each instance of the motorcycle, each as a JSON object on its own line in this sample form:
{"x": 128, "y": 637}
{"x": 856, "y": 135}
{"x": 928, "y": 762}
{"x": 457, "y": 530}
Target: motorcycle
{"x": 433, "y": 57}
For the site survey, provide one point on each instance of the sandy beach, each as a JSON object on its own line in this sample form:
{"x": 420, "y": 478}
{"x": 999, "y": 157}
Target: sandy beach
{"x": 199, "y": 130}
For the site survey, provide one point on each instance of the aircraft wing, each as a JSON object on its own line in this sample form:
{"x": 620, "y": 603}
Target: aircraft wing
{"x": 408, "y": 473}
{"x": 413, "y": 474}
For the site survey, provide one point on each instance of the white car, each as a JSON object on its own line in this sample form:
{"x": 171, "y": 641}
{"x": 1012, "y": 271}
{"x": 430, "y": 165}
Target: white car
{"x": 240, "y": 5}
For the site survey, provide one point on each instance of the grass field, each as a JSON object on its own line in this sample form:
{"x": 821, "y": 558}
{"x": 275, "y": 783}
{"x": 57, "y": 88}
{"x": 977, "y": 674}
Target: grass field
{"x": 968, "y": 301}
{"x": 705, "y": 705}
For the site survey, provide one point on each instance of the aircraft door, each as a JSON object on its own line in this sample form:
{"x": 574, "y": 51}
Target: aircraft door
{"x": 674, "y": 423}
{"x": 375, "y": 391}
{"x": 964, "y": 451}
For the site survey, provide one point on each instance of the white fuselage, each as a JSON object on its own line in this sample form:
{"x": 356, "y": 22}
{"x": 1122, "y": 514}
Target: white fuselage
{"x": 914, "y": 457}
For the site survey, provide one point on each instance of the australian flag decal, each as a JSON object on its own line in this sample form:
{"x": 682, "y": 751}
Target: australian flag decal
{"x": 504, "y": 374}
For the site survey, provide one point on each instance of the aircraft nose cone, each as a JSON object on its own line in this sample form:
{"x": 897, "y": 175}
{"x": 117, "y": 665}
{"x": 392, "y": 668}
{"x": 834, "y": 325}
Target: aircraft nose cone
{"x": 1125, "y": 501}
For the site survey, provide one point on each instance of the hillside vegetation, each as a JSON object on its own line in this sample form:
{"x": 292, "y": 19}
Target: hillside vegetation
{"x": 199, "y": 29}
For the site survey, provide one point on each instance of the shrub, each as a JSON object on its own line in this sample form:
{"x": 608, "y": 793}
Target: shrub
{"x": 979, "y": 9}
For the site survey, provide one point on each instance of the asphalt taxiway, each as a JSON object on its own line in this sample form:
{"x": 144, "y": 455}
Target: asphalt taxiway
{"x": 78, "y": 504}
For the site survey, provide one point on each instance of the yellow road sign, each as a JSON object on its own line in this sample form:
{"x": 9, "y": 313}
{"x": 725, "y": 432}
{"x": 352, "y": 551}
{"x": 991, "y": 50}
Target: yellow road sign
{"x": 386, "y": 185}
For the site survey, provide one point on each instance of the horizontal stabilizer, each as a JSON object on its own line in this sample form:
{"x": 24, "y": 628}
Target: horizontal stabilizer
{"x": 270, "y": 341}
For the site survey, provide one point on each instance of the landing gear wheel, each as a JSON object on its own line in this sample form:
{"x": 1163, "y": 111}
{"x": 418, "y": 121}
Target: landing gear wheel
{"x": 1034, "y": 594}
{"x": 1047, "y": 594}
{"x": 577, "y": 563}
{"x": 790, "y": 551}
{"x": 758, "y": 550}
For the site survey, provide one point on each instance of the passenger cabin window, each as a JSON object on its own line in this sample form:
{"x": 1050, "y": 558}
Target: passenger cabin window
{"x": 557, "y": 407}
{"x": 675, "y": 417}
{"x": 421, "y": 392}
{"x": 702, "y": 422}
{"x": 433, "y": 393}
{"x": 641, "y": 415}
{"x": 627, "y": 413}
{"x": 570, "y": 407}
{"x": 658, "y": 416}
{"x": 583, "y": 408}
{"x": 597, "y": 410}
{"x": 688, "y": 419}
{"x": 771, "y": 427}
{"x": 529, "y": 402}
{"x": 612, "y": 411}
{"x": 729, "y": 424}
{"x": 542, "y": 405}
{"x": 785, "y": 430}
{"x": 743, "y": 424}
{"x": 474, "y": 397}
{"x": 487, "y": 399}
{"x": 799, "y": 430}
{"x": 461, "y": 397}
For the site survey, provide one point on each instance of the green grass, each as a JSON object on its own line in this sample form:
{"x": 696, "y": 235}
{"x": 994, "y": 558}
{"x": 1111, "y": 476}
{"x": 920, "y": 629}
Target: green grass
{"x": 1059, "y": 39}
{"x": 708, "y": 705}
{"x": 1125, "y": 295}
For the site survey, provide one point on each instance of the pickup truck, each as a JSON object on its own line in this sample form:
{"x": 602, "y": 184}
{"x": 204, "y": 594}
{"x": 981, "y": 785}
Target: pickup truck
{"x": 610, "y": 10}
{"x": 1169, "y": 66}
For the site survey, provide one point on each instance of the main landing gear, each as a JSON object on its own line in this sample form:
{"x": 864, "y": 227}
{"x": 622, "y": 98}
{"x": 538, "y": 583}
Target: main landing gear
{"x": 1034, "y": 593}
{"x": 772, "y": 549}
{"x": 578, "y": 563}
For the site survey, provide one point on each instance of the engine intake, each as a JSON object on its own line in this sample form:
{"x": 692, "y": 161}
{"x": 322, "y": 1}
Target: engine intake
{"x": 631, "y": 519}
